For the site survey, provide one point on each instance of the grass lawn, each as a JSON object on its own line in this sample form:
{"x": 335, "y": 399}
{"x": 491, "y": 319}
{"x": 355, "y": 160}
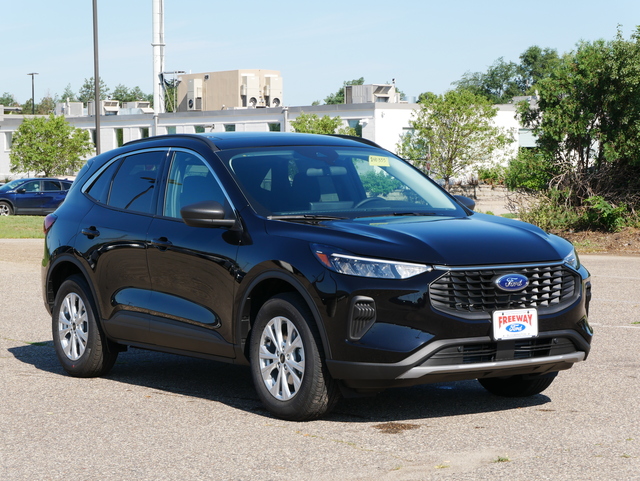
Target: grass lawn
{"x": 21, "y": 227}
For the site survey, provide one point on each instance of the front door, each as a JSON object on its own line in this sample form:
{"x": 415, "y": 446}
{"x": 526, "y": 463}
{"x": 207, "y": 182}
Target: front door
{"x": 192, "y": 269}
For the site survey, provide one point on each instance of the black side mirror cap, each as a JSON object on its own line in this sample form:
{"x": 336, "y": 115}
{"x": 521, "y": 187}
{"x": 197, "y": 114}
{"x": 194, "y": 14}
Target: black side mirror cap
{"x": 207, "y": 213}
{"x": 466, "y": 201}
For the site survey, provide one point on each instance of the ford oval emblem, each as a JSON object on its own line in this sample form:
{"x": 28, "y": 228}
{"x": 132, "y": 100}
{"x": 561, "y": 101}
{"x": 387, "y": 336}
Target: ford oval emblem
{"x": 511, "y": 282}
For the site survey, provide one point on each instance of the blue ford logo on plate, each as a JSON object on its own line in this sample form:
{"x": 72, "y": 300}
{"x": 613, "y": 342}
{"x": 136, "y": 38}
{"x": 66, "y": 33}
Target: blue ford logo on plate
{"x": 511, "y": 282}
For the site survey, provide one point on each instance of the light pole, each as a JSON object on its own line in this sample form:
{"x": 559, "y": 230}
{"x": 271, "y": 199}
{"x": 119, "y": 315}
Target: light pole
{"x": 96, "y": 75}
{"x": 33, "y": 97}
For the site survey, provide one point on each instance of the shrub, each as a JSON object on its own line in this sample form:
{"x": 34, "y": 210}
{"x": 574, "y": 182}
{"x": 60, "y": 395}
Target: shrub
{"x": 600, "y": 214}
{"x": 528, "y": 171}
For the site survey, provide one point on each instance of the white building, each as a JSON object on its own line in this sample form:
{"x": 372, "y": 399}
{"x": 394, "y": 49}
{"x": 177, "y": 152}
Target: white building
{"x": 381, "y": 122}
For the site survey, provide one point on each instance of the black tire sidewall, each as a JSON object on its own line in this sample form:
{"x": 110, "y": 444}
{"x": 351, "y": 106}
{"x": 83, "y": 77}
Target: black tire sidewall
{"x": 10, "y": 209}
{"x": 301, "y": 406}
{"x": 95, "y": 360}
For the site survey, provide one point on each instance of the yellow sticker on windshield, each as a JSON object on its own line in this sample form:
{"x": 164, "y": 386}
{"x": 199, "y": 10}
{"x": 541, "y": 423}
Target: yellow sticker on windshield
{"x": 379, "y": 160}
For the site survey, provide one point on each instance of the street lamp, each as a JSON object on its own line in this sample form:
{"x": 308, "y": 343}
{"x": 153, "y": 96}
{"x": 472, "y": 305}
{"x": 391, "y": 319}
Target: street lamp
{"x": 33, "y": 97}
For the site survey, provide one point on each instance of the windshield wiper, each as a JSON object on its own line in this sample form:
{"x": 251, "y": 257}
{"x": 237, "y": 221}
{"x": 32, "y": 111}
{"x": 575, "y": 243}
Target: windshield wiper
{"x": 400, "y": 214}
{"x": 305, "y": 217}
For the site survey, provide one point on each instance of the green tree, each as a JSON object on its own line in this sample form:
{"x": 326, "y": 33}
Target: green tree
{"x": 46, "y": 106}
{"x": 68, "y": 94}
{"x": 587, "y": 121}
{"x": 49, "y": 145}
{"x": 499, "y": 84}
{"x": 536, "y": 64}
{"x": 87, "y": 91}
{"x": 312, "y": 124}
{"x": 8, "y": 100}
{"x": 338, "y": 97}
{"x": 453, "y": 132}
{"x": 124, "y": 94}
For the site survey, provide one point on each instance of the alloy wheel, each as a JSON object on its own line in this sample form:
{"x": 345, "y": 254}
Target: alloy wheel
{"x": 282, "y": 358}
{"x": 73, "y": 326}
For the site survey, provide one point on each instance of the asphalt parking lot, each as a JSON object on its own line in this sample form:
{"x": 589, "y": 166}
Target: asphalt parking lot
{"x": 164, "y": 417}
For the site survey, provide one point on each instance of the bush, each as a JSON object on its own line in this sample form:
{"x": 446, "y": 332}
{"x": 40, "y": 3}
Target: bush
{"x": 551, "y": 212}
{"x": 600, "y": 214}
{"x": 528, "y": 171}
{"x": 492, "y": 175}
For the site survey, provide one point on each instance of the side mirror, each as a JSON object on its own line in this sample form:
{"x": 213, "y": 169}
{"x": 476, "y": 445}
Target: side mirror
{"x": 207, "y": 213}
{"x": 21, "y": 191}
{"x": 466, "y": 201}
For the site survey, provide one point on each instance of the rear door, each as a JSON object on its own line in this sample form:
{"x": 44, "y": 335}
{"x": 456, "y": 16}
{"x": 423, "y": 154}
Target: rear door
{"x": 113, "y": 241}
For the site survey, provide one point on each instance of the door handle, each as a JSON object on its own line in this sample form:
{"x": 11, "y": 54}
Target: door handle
{"x": 162, "y": 243}
{"x": 91, "y": 232}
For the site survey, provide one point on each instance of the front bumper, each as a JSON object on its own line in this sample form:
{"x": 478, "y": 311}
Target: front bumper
{"x": 467, "y": 358}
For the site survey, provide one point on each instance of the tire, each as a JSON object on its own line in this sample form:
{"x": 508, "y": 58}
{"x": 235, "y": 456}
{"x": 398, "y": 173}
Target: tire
{"x": 518, "y": 386}
{"x": 81, "y": 346}
{"x": 6, "y": 209}
{"x": 287, "y": 362}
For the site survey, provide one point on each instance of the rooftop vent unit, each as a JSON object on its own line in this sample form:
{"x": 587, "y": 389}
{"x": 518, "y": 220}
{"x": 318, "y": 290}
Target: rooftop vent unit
{"x": 194, "y": 94}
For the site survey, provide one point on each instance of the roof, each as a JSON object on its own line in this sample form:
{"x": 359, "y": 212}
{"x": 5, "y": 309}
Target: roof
{"x": 233, "y": 140}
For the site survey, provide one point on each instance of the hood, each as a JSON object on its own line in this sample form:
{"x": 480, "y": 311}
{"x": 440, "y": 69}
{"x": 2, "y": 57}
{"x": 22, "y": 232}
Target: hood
{"x": 472, "y": 240}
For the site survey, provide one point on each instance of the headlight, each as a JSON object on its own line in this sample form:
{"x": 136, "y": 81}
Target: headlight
{"x": 572, "y": 260}
{"x": 352, "y": 265}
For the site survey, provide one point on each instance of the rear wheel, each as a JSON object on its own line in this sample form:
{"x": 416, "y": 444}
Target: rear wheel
{"x": 287, "y": 363}
{"x": 81, "y": 346}
{"x": 518, "y": 386}
{"x": 5, "y": 209}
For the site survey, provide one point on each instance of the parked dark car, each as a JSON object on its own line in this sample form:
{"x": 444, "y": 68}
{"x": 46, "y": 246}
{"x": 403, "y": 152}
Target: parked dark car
{"x": 326, "y": 264}
{"x": 33, "y": 196}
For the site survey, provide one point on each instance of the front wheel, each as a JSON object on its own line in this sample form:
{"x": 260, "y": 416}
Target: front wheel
{"x": 518, "y": 386}
{"x": 5, "y": 209}
{"x": 287, "y": 363}
{"x": 81, "y": 346}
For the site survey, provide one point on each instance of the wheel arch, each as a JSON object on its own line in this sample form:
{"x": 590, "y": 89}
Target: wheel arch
{"x": 61, "y": 269}
{"x": 9, "y": 203}
{"x": 264, "y": 287}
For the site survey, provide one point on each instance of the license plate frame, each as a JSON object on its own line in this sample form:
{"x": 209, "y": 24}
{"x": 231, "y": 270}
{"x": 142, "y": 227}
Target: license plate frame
{"x": 515, "y": 324}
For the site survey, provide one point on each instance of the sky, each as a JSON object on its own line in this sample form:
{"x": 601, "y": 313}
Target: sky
{"x": 316, "y": 45}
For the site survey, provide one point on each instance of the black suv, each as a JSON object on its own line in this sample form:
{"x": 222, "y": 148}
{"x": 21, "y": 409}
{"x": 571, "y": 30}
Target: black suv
{"x": 325, "y": 263}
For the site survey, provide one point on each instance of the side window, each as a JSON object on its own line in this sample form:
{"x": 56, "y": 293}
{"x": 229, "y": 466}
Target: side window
{"x": 66, "y": 185}
{"x": 189, "y": 181}
{"x": 33, "y": 186}
{"x": 99, "y": 190}
{"x": 133, "y": 186}
{"x": 50, "y": 185}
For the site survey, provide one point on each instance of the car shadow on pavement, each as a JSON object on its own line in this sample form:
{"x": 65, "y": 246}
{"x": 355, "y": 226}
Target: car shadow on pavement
{"x": 232, "y": 385}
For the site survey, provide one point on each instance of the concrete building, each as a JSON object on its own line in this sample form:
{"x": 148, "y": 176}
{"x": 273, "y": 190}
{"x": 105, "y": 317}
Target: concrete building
{"x": 229, "y": 89}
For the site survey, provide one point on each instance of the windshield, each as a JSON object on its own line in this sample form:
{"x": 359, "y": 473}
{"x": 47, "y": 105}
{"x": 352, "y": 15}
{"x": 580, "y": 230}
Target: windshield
{"x": 11, "y": 185}
{"x": 310, "y": 181}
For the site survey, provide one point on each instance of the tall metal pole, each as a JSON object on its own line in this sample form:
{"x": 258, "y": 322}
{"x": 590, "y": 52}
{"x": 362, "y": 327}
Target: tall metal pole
{"x": 158, "y": 56}
{"x": 96, "y": 75}
{"x": 33, "y": 91}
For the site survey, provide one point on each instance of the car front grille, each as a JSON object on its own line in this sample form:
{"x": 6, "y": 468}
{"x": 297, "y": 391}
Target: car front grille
{"x": 471, "y": 293}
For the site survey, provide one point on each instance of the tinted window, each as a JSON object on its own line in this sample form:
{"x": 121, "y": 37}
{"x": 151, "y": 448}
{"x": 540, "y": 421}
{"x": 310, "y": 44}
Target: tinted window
{"x": 49, "y": 185}
{"x": 133, "y": 186}
{"x": 66, "y": 185}
{"x": 342, "y": 181}
{"x": 100, "y": 189}
{"x": 190, "y": 181}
